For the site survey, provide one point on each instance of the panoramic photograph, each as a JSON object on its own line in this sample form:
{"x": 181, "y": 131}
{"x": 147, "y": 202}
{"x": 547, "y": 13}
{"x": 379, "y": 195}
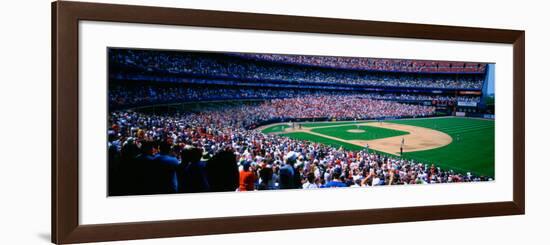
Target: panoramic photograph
{"x": 195, "y": 122}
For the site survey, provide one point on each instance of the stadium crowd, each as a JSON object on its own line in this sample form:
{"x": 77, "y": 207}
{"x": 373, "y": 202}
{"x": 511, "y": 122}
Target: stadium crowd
{"x": 123, "y": 95}
{"x": 338, "y": 107}
{"x": 224, "y": 66}
{"x": 214, "y": 150}
{"x": 373, "y": 64}
{"x": 128, "y": 96}
{"x": 218, "y": 146}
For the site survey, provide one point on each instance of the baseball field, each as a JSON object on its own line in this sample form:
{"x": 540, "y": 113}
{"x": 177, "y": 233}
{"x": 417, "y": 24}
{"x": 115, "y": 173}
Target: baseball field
{"x": 461, "y": 144}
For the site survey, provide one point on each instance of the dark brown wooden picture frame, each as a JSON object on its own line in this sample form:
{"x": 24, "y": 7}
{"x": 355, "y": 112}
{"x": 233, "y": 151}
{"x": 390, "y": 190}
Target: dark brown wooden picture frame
{"x": 65, "y": 124}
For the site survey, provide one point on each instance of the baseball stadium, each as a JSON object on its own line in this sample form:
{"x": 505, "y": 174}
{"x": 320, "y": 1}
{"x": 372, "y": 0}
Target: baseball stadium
{"x": 190, "y": 121}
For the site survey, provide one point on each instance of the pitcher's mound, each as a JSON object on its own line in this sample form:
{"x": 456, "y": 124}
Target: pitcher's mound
{"x": 355, "y": 131}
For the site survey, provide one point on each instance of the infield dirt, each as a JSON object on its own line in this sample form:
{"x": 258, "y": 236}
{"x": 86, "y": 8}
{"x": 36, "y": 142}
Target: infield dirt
{"x": 417, "y": 139}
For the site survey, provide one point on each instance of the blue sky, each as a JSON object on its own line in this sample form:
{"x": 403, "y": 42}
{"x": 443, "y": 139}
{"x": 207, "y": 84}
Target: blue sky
{"x": 491, "y": 79}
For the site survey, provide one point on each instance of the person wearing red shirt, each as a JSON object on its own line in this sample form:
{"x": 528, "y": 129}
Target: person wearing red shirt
{"x": 246, "y": 178}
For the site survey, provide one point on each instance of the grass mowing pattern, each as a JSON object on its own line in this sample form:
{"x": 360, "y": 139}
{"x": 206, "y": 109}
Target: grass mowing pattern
{"x": 370, "y": 133}
{"x": 472, "y": 149}
{"x": 281, "y": 127}
{"x": 322, "y": 140}
{"x": 321, "y": 124}
{"x": 275, "y": 129}
{"x": 329, "y": 142}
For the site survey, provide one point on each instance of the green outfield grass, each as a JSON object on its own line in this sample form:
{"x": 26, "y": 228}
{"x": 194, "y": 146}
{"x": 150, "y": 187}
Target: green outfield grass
{"x": 320, "y": 124}
{"x": 472, "y": 149}
{"x": 322, "y": 140}
{"x": 370, "y": 133}
{"x": 281, "y": 127}
{"x": 329, "y": 142}
{"x": 275, "y": 129}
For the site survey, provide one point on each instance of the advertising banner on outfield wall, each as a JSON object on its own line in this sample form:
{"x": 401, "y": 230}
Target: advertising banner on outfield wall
{"x": 467, "y": 103}
{"x": 469, "y": 92}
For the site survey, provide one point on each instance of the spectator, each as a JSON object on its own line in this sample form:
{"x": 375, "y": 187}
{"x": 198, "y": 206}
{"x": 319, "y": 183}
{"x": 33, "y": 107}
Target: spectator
{"x": 161, "y": 173}
{"x": 192, "y": 173}
{"x": 223, "y": 171}
{"x": 246, "y": 178}
{"x": 310, "y": 184}
{"x": 286, "y": 173}
{"x": 137, "y": 170}
{"x": 266, "y": 177}
{"x": 335, "y": 182}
